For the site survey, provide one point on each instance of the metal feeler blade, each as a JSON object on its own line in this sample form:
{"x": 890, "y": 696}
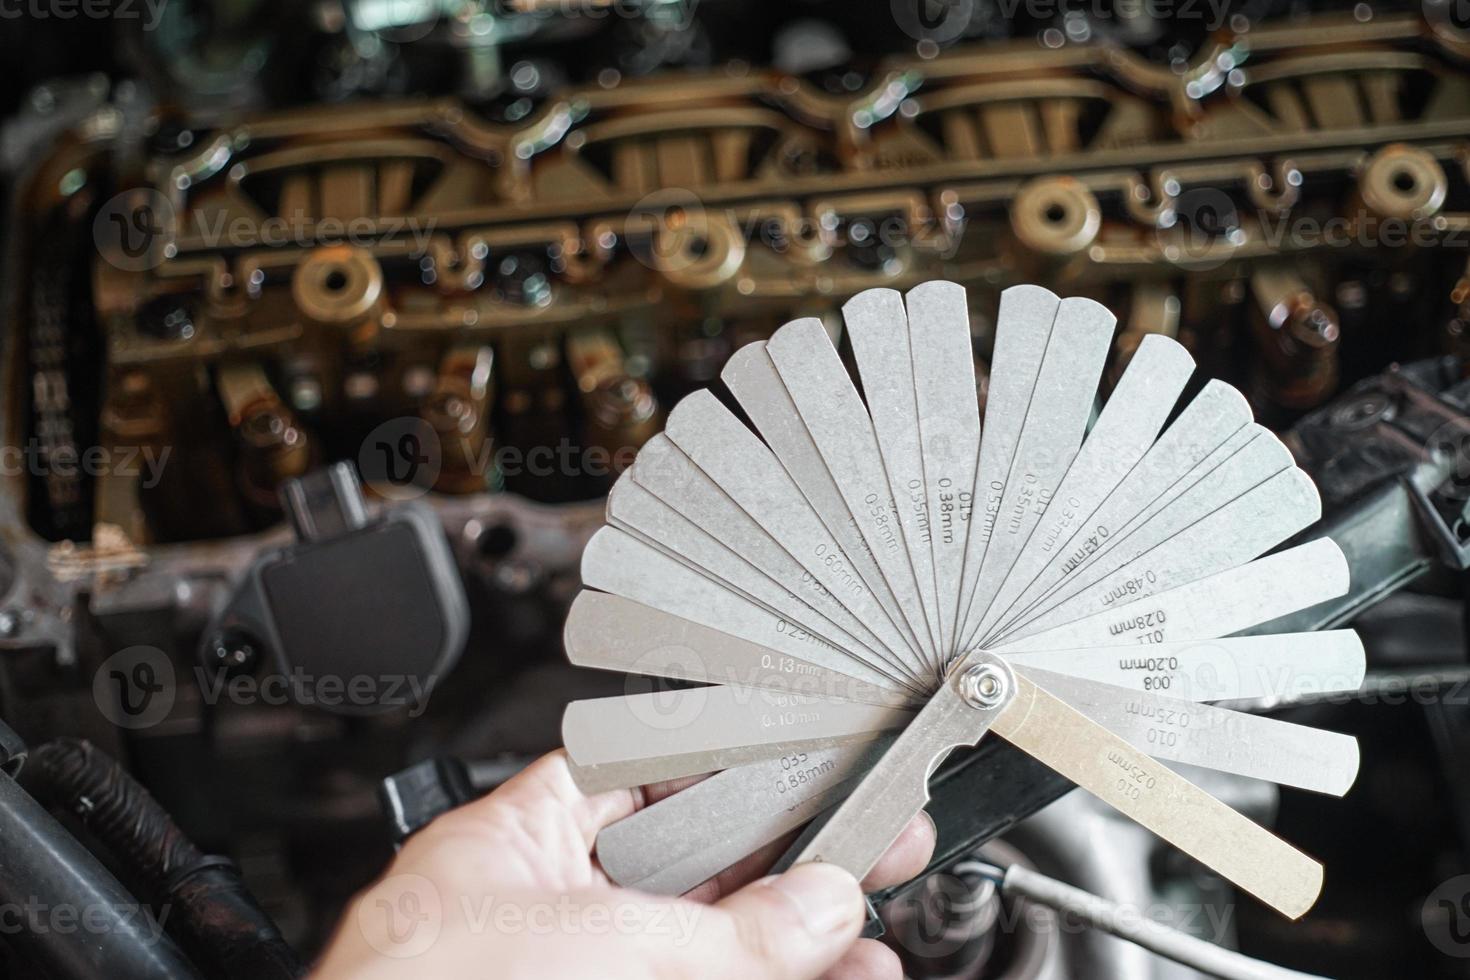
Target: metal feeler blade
{"x": 1159, "y": 799}
{"x": 615, "y": 743}
{"x": 1129, "y": 423}
{"x": 664, "y": 470}
{"x": 1218, "y": 605}
{"x": 878, "y": 329}
{"x": 1114, "y": 544}
{"x": 943, "y": 368}
{"x": 753, "y": 379}
{"x": 843, "y": 431}
{"x": 1056, "y": 419}
{"x": 1208, "y": 421}
{"x": 689, "y": 837}
{"x": 609, "y": 632}
{"x": 1021, "y": 331}
{"x": 618, "y": 563}
{"x": 732, "y": 456}
{"x": 631, "y": 507}
{"x": 1259, "y": 457}
{"x": 1242, "y": 530}
{"x": 1174, "y": 730}
{"x": 1229, "y": 669}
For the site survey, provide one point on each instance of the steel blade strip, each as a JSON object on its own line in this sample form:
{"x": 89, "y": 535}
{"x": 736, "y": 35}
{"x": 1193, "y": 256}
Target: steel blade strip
{"x": 1022, "y": 328}
{"x": 1241, "y": 469}
{"x": 639, "y": 512}
{"x": 1212, "y": 418}
{"x": 1127, "y": 427}
{"x": 1051, "y": 435}
{"x": 600, "y": 778}
{"x": 1175, "y": 730}
{"x": 949, "y": 431}
{"x": 1214, "y": 606}
{"x": 1159, "y": 799}
{"x": 1244, "y": 529}
{"x": 840, "y": 426}
{"x": 878, "y": 328}
{"x": 700, "y": 554}
{"x": 752, "y": 377}
{"x": 1227, "y": 669}
{"x": 689, "y": 837}
{"x": 773, "y": 529}
{"x": 697, "y": 730}
{"x": 609, "y": 632}
{"x": 618, "y": 563}
{"x": 1101, "y": 554}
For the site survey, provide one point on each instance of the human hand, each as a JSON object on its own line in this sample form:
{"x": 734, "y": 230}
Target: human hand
{"x": 508, "y": 886}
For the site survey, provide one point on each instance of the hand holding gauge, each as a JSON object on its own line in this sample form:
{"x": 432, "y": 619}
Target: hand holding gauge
{"x": 873, "y": 581}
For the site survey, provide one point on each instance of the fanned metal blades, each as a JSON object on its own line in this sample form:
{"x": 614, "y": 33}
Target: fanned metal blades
{"x": 866, "y": 575}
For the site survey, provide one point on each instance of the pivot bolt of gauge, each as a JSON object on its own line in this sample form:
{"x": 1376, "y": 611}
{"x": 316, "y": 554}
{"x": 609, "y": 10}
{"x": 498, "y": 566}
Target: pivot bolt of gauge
{"x": 984, "y": 686}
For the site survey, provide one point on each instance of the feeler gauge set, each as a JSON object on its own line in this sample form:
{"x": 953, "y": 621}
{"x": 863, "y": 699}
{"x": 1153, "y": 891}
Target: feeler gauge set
{"x": 867, "y": 581}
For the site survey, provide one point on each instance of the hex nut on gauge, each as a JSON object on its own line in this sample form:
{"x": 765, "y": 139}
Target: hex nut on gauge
{"x": 984, "y": 686}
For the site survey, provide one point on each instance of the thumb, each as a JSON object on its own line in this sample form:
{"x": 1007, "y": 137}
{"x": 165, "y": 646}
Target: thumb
{"x": 792, "y": 926}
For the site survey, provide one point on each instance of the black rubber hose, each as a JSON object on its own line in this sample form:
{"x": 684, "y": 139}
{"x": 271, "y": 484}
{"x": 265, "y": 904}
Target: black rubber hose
{"x": 212, "y": 914}
{"x": 64, "y": 912}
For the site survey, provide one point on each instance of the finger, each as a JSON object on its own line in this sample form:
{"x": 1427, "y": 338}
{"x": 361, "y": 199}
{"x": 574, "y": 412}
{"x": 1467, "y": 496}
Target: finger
{"x": 793, "y": 926}
{"x": 754, "y": 865}
{"x": 906, "y": 856}
{"x": 654, "y": 792}
{"x": 868, "y": 959}
{"x": 545, "y": 788}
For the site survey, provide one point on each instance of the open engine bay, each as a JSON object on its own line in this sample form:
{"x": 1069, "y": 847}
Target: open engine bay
{"x": 474, "y": 250}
